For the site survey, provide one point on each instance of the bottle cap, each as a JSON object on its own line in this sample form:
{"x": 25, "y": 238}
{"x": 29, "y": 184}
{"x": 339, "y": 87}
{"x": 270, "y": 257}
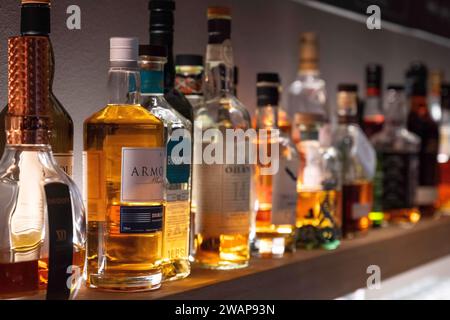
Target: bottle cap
{"x": 374, "y": 75}
{"x": 309, "y": 51}
{"x": 35, "y": 1}
{"x": 416, "y": 79}
{"x": 192, "y": 60}
{"x": 268, "y": 77}
{"x": 163, "y": 5}
{"x": 219, "y": 12}
{"x": 348, "y": 87}
{"x": 219, "y": 24}
{"x": 124, "y": 49}
{"x": 396, "y": 87}
{"x": 35, "y": 18}
{"x": 267, "y": 96}
{"x": 152, "y": 51}
{"x": 445, "y": 96}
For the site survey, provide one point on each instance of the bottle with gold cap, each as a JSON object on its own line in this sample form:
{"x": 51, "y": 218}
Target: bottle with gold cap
{"x": 222, "y": 219}
{"x": 35, "y": 21}
{"x": 42, "y": 238}
{"x": 124, "y": 170}
{"x": 307, "y": 93}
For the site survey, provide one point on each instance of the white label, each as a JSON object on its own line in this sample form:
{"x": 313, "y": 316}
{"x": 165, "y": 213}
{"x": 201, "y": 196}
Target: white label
{"x": 360, "y": 210}
{"x": 284, "y": 193}
{"x": 65, "y": 162}
{"x": 142, "y": 174}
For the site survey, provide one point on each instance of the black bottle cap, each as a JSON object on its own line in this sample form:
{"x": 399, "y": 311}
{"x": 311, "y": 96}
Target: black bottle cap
{"x": 416, "y": 79}
{"x": 219, "y": 24}
{"x": 445, "y": 96}
{"x": 268, "y": 77}
{"x": 163, "y": 5}
{"x": 152, "y": 51}
{"x": 35, "y": 19}
{"x": 374, "y": 75}
{"x": 348, "y": 87}
{"x": 267, "y": 96}
{"x": 396, "y": 87}
{"x": 189, "y": 60}
{"x": 161, "y": 21}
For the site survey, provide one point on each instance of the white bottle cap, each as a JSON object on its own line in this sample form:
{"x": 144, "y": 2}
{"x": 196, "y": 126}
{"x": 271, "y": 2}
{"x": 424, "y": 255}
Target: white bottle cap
{"x": 124, "y": 49}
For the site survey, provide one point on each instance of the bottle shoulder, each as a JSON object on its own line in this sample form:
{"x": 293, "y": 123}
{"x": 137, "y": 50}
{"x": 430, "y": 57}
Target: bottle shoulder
{"x": 124, "y": 114}
{"x": 163, "y": 110}
{"x": 396, "y": 140}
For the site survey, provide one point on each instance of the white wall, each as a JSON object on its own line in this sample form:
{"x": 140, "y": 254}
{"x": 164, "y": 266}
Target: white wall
{"x": 265, "y": 37}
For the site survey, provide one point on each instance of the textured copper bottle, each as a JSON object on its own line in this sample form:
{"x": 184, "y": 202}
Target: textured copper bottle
{"x": 28, "y": 119}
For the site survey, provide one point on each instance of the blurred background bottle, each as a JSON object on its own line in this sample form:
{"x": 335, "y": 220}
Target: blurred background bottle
{"x": 373, "y": 118}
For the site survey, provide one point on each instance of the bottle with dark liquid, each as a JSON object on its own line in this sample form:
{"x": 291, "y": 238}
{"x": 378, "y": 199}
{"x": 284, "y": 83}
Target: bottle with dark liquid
{"x": 358, "y": 164}
{"x": 373, "y": 118}
{"x": 421, "y": 123}
{"x": 444, "y": 151}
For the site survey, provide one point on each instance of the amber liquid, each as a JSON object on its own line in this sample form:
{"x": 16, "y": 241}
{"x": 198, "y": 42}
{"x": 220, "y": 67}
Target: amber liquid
{"x": 118, "y": 261}
{"x": 444, "y": 187}
{"x": 373, "y": 125}
{"x": 355, "y": 195}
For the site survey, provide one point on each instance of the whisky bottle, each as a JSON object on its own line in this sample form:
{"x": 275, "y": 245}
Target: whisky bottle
{"x": 43, "y": 233}
{"x": 222, "y": 219}
{"x": 35, "y": 21}
{"x": 358, "y": 164}
{"x": 189, "y": 78}
{"x": 397, "y": 149}
{"x": 276, "y": 197}
{"x": 124, "y": 161}
{"x": 161, "y": 34}
{"x": 421, "y": 123}
{"x": 373, "y": 118}
{"x": 175, "y": 264}
{"x": 444, "y": 151}
{"x": 307, "y": 94}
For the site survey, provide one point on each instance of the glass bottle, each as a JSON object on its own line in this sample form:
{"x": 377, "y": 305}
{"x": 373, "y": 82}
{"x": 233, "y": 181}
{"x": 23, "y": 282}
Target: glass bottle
{"x": 222, "y": 219}
{"x": 189, "y": 78}
{"x": 43, "y": 233}
{"x": 275, "y": 188}
{"x": 434, "y": 99}
{"x": 358, "y": 164}
{"x": 124, "y": 160}
{"x": 444, "y": 151}
{"x": 177, "y": 130}
{"x": 35, "y": 21}
{"x": 421, "y": 123}
{"x": 373, "y": 118}
{"x": 307, "y": 94}
{"x": 161, "y": 34}
{"x": 397, "y": 149}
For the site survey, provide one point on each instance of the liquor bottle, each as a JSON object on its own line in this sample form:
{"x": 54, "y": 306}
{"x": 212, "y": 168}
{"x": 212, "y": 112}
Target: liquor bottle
{"x": 318, "y": 214}
{"x": 307, "y": 94}
{"x": 223, "y": 204}
{"x": 358, "y": 164}
{"x": 275, "y": 190}
{"x": 177, "y": 130}
{"x": 434, "y": 99}
{"x": 273, "y": 79}
{"x": 35, "y": 21}
{"x": 189, "y": 78}
{"x": 124, "y": 160}
{"x": 235, "y": 81}
{"x": 161, "y": 34}
{"x": 397, "y": 149}
{"x": 421, "y": 123}
{"x": 373, "y": 118}
{"x": 43, "y": 234}
{"x": 444, "y": 151}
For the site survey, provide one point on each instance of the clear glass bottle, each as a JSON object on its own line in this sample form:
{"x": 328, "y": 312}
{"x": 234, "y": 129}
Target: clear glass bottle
{"x": 189, "y": 78}
{"x": 124, "y": 161}
{"x": 43, "y": 233}
{"x": 373, "y": 118}
{"x": 35, "y": 21}
{"x": 222, "y": 219}
{"x": 444, "y": 151}
{"x": 397, "y": 149}
{"x": 162, "y": 20}
{"x": 421, "y": 123}
{"x": 318, "y": 216}
{"x": 276, "y": 196}
{"x": 307, "y": 94}
{"x": 175, "y": 263}
{"x": 358, "y": 161}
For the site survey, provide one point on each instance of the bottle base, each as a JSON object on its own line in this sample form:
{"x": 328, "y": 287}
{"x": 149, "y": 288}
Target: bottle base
{"x": 223, "y": 265}
{"x": 176, "y": 269}
{"x": 123, "y": 282}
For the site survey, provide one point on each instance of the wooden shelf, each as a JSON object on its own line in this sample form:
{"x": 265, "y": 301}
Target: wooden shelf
{"x": 310, "y": 274}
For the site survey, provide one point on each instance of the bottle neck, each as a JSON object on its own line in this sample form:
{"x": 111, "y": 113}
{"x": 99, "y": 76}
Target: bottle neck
{"x": 124, "y": 85}
{"x": 219, "y": 73}
{"x": 267, "y": 117}
{"x": 165, "y": 39}
{"x": 152, "y": 77}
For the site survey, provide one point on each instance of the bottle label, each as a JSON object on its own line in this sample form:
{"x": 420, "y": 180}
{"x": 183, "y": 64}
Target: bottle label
{"x": 176, "y": 230}
{"x": 189, "y": 84}
{"x": 152, "y": 81}
{"x": 141, "y": 219}
{"x": 177, "y": 173}
{"x": 60, "y": 228}
{"x": 395, "y": 181}
{"x": 142, "y": 174}
{"x": 65, "y": 162}
{"x": 284, "y": 193}
{"x": 222, "y": 193}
